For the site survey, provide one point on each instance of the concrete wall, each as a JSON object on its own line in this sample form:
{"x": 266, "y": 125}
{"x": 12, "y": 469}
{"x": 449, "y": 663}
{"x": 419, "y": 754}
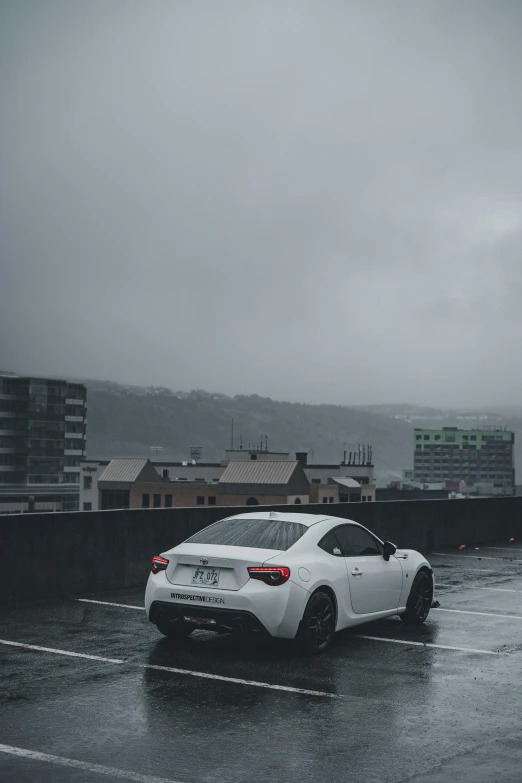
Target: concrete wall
{"x": 51, "y": 555}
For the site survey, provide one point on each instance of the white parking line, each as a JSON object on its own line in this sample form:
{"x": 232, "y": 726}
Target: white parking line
{"x": 60, "y": 652}
{"x": 473, "y": 557}
{"x": 241, "y": 682}
{"x": 426, "y": 644}
{"x": 484, "y": 614}
{"x": 98, "y": 768}
{"x": 204, "y": 675}
{"x": 108, "y": 603}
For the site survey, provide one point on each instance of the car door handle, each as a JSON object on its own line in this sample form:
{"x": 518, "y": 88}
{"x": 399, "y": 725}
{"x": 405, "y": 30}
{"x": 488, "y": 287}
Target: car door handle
{"x": 402, "y": 557}
{"x": 356, "y": 572}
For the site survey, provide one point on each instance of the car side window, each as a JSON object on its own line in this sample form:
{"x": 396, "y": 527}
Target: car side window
{"x": 330, "y": 544}
{"x": 356, "y": 542}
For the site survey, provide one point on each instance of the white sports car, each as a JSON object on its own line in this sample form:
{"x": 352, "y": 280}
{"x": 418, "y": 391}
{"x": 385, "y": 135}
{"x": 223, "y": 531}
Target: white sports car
{"x": 301, "y": 576}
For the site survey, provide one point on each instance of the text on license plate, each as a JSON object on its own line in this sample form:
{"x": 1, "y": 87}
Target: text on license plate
{"x": 205, "y": 576}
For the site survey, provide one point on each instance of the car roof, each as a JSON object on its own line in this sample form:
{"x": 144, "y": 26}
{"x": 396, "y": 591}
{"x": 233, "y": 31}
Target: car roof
{"x": 284, "y": 516}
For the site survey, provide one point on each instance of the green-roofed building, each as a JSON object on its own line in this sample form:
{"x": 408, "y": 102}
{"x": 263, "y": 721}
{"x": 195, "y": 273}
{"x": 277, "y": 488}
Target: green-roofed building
{"x": 452, "y": 456}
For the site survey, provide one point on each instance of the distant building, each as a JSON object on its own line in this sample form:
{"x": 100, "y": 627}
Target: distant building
{"x": 477, "y": 460}
{"x": 179, "y": 473}
{"x": 191, "y": 483}
{"x": 42, "y": 443}
{"x": 118, "y": 478}
{"x": 252, "y": 483}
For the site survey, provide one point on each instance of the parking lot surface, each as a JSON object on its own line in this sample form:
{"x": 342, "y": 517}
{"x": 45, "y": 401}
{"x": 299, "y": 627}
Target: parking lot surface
{"x": 91, "y": 692}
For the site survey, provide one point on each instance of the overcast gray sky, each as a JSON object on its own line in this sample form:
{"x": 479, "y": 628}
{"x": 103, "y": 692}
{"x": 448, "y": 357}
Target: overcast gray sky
{"x": 316, "y": 201}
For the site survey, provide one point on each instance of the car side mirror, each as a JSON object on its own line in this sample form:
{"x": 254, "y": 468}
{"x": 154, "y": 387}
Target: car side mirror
{"x": 389, "y": 550}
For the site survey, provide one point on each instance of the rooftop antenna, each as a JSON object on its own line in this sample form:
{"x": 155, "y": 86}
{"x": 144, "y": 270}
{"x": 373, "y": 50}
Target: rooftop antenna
{"x": 266, "y": 442}
{"x": 241, "y": 443}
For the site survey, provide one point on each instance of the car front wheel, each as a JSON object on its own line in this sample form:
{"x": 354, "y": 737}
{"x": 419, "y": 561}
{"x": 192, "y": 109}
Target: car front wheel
{"x": 419, "y": 601}
{"x": 318, "y": 624}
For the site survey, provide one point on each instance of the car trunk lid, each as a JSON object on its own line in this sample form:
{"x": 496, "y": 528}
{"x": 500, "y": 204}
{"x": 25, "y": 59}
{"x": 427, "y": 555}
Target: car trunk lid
{"x": 214, "y": 566}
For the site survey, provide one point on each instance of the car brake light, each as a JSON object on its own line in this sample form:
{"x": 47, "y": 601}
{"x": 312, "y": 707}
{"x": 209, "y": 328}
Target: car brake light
{"x": 158, "y": 564}
{"x": 270, "y": 575}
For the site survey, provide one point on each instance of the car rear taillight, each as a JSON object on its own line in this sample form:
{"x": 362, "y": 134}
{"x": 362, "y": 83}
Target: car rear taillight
{"x": 158, "y": 564}
{"x": 270, "y": 575}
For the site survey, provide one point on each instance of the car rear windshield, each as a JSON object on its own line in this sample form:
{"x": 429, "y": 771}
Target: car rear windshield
{"x": 257, "y": 533}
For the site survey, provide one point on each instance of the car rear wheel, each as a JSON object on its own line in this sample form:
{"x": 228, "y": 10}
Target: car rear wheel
{"x": 174, "y": 629}
{"x": 419, "y": 601}
{"x": 318, "y": 624}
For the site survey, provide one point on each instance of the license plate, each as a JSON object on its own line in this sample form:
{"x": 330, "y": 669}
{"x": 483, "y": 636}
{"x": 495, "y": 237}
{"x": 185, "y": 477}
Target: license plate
{"x": 205, "y": 577}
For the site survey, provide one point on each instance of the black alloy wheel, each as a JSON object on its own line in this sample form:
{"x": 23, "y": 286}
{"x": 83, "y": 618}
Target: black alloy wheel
{"x": 419, "y": 601}
{"x": 174, "y": 629}
{"x": 318, "y": 623}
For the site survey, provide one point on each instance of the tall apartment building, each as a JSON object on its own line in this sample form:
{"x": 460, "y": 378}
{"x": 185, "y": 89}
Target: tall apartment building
{"x": 42, "y": 443}
{"x": 452, "y": 456}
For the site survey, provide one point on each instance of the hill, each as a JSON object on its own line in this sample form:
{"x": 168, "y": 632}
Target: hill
{"x": 128, "y": 420}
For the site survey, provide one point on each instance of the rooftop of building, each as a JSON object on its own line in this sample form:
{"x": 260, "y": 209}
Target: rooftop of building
{"x": 262, "y": 472}
{"x": 11, "y": 376}
{"x": 127, "y": 470}
{"x": 479, "y": 429}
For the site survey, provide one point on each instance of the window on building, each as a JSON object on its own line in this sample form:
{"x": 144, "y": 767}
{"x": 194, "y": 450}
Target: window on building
{"x": 157, "y": 501}
{"x": 87, "y": 482}
{"x": 316, "y": 481}
{"x": 418, "y": 437}
{"x": 145, "y": 500}
{"x": 87, "y": 506}
{"x": 200, "y": 500}
{"x": 426, "y": 437}
{"x": 114, "y": 498}
{"x": 363, "y": 498}
{"x": 343, "y": 498}
{"x": 253, "y": 456}
{"x": 473, "y": 437}
{"x": 370, "y": 498}
{"x": 325, "y": 500}
{"x": 330, "y": 500}
{"x": 297, "y": 501}
{"x": 168, "y": 501}
{"x": 211, "y": 500}
{"x": 437, "y": 437}
{"x": 165, "y": 473}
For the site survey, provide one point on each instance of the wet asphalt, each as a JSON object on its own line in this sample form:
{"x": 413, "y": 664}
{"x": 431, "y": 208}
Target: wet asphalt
{"x": 385, "y": 712}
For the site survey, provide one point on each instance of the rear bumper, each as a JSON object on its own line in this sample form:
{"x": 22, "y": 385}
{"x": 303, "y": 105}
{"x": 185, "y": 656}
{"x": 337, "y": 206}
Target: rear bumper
{"x": 278, "y": 610}
{"x": 233, "y": 621}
